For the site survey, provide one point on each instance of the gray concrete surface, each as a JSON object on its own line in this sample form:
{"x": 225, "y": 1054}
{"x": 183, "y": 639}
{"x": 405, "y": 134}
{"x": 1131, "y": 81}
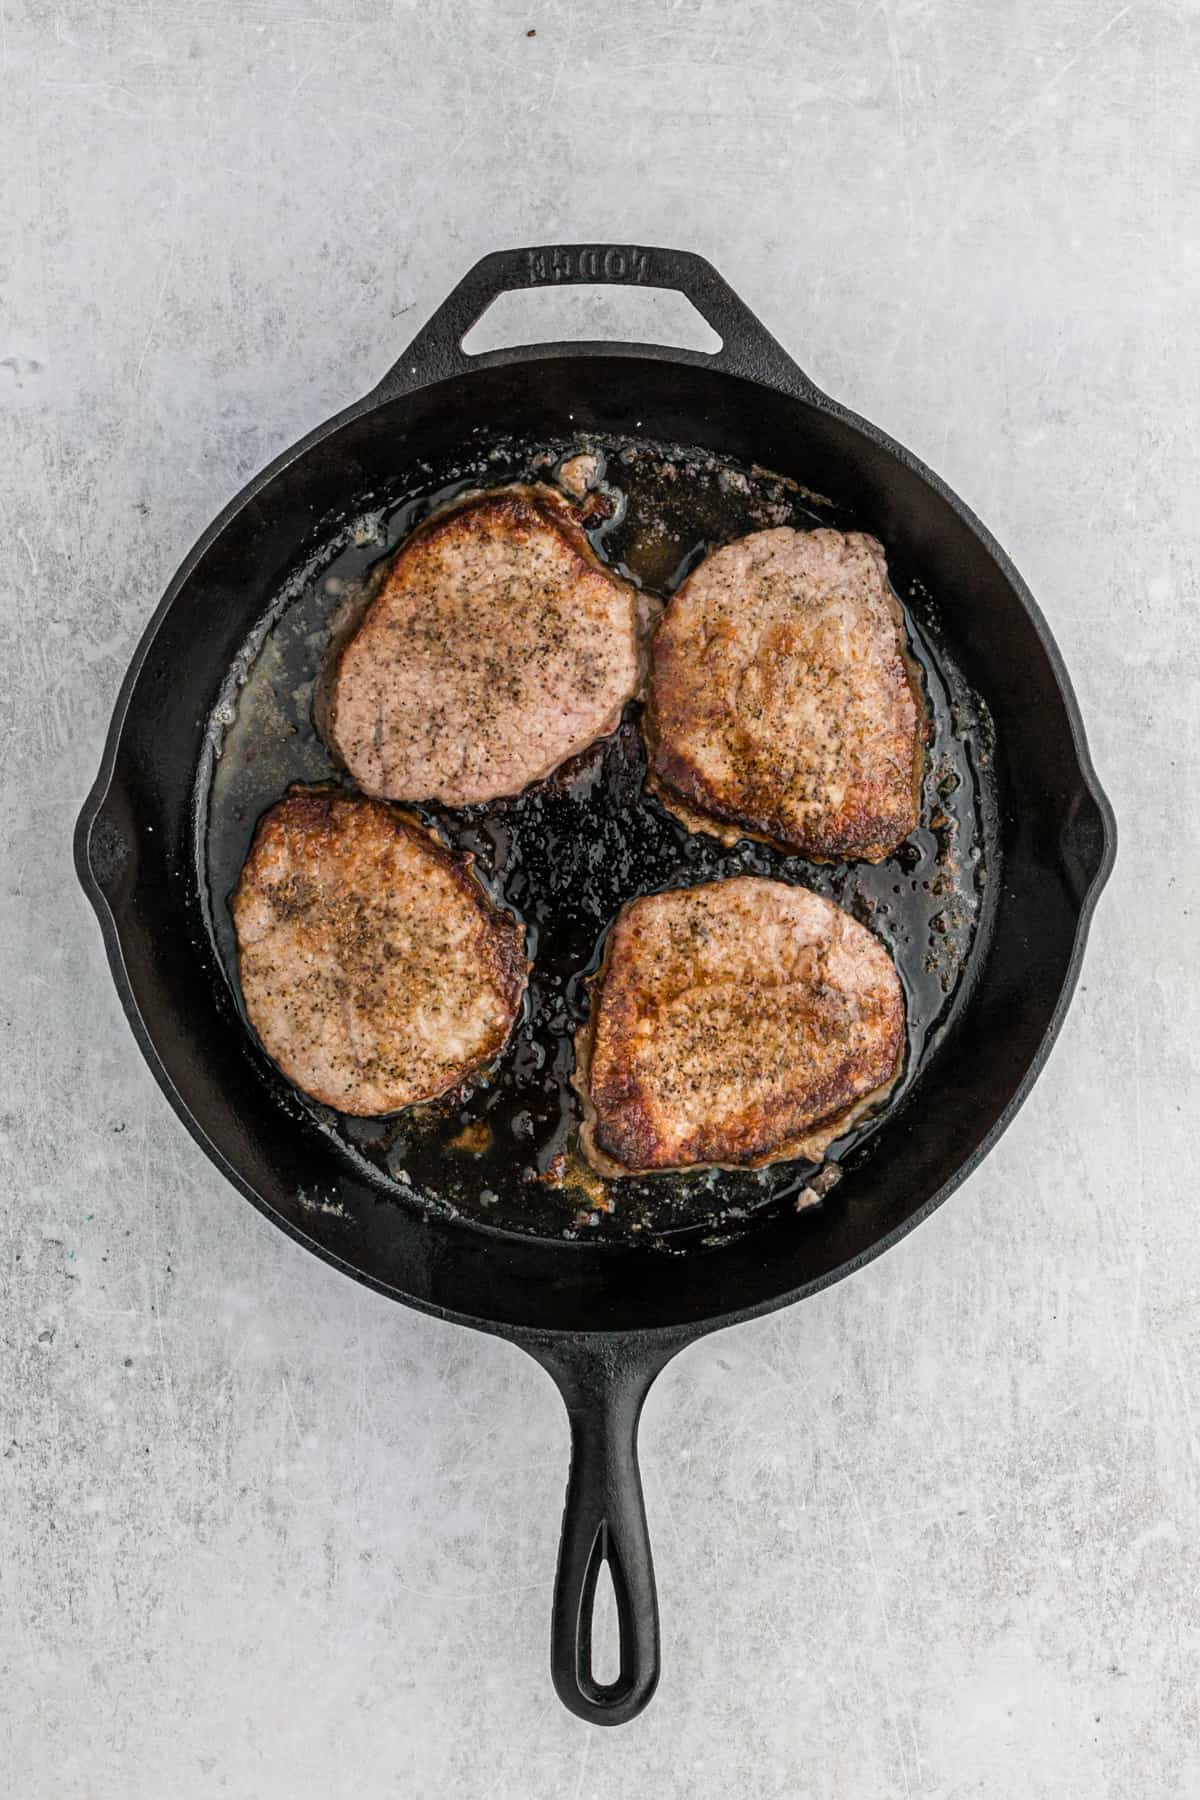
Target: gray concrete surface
{"x": 933, "y": 1534}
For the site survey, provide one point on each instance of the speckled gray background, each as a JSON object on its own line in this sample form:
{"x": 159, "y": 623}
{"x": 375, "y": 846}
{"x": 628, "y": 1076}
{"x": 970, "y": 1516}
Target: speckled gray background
{"x": 935, "y": 1533}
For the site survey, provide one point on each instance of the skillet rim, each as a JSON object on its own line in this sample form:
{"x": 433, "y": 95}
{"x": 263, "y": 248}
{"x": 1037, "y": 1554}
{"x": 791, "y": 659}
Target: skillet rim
{"x": 801, "y": 391}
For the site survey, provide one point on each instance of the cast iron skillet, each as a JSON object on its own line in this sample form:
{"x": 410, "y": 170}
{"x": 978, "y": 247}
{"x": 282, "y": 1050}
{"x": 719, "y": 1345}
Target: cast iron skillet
{"x": 602, "y": 1319}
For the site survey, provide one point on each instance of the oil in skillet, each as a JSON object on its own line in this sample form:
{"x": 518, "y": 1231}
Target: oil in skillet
{"x": 566, "y": 854}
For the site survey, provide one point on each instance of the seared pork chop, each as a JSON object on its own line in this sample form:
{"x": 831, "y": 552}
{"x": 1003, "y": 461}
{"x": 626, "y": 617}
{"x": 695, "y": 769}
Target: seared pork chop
{"x": 783, "y": 702}
{"x": 732, "y": 1025}
{"x": 374, "y": 968}
{"x": 497, "y": 647}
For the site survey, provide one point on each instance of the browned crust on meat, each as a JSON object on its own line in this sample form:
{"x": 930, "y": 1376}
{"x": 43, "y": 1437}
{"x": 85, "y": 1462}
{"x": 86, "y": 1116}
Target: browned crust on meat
{"x": 690, "y": 816}
{"x": 516, "y": 512}
{"x": 838, "y": 781}
{"x": 356, "y": 929}
{"x": 839, "y": 1048}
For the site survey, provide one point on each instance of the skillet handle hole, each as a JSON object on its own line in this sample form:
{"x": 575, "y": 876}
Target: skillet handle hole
{"x": 571, "y": 315}
{"x": 599, "y": 1645}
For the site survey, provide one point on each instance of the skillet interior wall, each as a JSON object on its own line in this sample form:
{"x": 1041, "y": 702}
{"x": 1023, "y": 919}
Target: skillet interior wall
{"x": 1051, "y": 833}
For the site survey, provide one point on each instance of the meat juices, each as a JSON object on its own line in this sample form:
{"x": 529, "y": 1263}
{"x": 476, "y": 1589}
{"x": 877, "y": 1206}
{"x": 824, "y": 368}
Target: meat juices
{"x": 734, "y": 1024}
{"x": 783, "y": 703}
{"x": 498, "y": 647}
{"x": 374, "y": 968}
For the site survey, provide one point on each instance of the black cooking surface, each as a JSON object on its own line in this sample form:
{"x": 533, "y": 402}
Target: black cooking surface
{"x": 566, "y": 854}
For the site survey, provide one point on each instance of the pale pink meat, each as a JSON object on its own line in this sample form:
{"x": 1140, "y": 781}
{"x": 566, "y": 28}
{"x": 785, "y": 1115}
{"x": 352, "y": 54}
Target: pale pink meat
{"x": 735, "y": 1024}
{"x": 373, "y": 966}
{"x": 497, "y": 648}
{"x": 783, "y": 702}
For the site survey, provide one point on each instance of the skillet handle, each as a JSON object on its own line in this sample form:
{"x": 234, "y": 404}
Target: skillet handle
{"x": 604, "y": 1385}
{"x": 747, "y": 347}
